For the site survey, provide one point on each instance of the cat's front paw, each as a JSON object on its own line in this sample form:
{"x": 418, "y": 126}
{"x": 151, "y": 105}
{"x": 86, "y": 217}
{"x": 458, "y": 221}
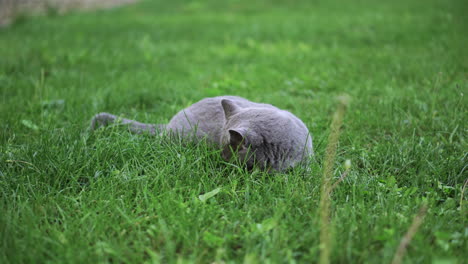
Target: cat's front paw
{"x": 102, "y": 119}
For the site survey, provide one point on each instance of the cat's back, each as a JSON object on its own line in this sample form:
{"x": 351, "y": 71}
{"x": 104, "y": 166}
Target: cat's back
{"x": 215, "y": 102}
{"x": 207, "y": 116}
{"x": 210, "y": 108}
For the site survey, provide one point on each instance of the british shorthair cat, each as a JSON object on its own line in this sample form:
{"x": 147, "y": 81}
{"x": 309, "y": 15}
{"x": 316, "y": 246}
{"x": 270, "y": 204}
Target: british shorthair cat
{"x": 257, "y": 134}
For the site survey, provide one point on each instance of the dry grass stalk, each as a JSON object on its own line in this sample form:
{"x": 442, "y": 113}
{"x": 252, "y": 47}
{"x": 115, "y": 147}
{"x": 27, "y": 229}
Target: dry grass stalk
{"x": 330, "y": 153}
{"x": 417, "y": 221}
{"x": 461, "y": 196}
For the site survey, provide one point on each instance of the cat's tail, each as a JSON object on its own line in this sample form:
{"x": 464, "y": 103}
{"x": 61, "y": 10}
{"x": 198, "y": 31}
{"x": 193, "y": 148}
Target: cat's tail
{"x": 105, "y": 119}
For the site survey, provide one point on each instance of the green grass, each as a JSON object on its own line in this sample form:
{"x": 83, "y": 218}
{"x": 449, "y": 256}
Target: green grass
{"x": 72, "y": 197}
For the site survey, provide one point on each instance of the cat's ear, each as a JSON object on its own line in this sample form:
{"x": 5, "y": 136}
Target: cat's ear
{"x": 229, "y": 107}
{"x": 236, "y": 137}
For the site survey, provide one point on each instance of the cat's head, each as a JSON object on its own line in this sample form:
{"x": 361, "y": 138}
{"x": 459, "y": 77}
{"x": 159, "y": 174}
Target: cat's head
{"x": 267, "y": 138}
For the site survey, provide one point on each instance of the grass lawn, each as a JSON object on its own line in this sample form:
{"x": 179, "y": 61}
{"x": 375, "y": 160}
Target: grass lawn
{"x": 67, "y": 196}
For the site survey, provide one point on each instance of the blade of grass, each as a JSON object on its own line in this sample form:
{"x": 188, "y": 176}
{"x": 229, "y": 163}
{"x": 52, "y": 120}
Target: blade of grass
{"x": 417, "y": 221}
{"x": 461, "y": 196}
{"x": 330, "y": 153}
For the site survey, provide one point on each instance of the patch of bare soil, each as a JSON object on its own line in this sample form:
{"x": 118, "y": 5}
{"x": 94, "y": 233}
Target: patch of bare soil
{"x": 11, "y": 8}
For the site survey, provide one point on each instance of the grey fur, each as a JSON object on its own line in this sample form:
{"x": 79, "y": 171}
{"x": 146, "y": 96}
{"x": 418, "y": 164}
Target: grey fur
{"x": 259, "y": 134}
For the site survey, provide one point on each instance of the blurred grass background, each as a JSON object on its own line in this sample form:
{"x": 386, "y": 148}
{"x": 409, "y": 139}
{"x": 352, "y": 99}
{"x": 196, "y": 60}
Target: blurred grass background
{"x": 12, "y": 9}
{"x": 68, "y": 196}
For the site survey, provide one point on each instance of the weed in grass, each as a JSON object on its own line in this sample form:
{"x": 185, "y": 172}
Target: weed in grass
{"x": 327, "y": 187}
{"x": 417, "y": 221}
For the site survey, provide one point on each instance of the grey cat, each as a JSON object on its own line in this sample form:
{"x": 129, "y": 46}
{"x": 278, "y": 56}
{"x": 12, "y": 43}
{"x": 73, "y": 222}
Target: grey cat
{"x": 258, "y": 134}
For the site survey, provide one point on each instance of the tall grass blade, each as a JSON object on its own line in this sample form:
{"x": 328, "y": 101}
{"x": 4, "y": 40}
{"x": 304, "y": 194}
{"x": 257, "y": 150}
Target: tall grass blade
{"x": 330, "y": 153}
